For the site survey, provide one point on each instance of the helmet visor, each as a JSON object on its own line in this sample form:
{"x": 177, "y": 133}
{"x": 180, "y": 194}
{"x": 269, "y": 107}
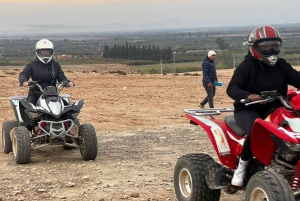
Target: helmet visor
{"x": 45, "y": 52}
{"x": 269, "y": 47}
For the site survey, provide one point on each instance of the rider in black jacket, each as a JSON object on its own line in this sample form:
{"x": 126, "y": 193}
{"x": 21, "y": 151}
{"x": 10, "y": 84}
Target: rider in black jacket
{"x": 261, "y": 70}
{"x": 43, "y": 69}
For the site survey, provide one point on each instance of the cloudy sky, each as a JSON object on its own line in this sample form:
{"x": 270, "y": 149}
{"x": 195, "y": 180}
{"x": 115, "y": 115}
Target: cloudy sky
{"x": 19, "y": 14}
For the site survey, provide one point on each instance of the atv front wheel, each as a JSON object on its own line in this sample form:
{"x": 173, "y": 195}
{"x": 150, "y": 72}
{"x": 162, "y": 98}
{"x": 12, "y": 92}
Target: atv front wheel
{"x": 268, "y": 186}
{"x": 189, "y": 179}
{"x": 21, "y": 145}
{"x": 7, "y": 126}
{"x": 89, "y": 144}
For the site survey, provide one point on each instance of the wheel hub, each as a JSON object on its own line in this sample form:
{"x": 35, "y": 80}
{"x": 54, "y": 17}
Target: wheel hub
{"x": 258, "y": 194}
{"x": 185, "y": 182}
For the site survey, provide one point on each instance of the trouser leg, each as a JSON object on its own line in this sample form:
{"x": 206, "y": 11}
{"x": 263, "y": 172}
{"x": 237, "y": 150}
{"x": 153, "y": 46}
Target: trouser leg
{"x": 210, "y": 90}
{"x": 210, "y": 94}
{"x": 32, "y": 99}
{"x": 245, "y": 120}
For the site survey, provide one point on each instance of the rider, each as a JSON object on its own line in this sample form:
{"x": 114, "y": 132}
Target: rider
{"x": 261, "y": 70}
{"x": 43, "y": 69}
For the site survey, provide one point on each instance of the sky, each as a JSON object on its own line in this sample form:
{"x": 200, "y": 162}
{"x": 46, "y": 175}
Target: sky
{"x": 34, "y": 14}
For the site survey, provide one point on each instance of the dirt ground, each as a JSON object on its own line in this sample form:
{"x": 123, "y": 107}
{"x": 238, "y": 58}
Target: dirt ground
{"x": 141, "y": 131}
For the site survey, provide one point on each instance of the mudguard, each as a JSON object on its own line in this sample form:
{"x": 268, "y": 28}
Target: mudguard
{"x": 28, "y": 106}
{"x": 261, "y": 143}
{"x": 214, "y": 129}
{"x": 217, "y": 176}
{"x": 78, "y": 105}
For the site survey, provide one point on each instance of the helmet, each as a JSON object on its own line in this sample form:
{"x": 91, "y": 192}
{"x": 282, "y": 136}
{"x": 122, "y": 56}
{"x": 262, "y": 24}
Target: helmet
{"x": 44, "y": 50}
{"x": 265, "y": 44}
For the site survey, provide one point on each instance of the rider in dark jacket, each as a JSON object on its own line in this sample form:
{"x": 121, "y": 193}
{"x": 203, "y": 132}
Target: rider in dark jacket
{"x": 43, "y": 69}
{"x": 261, "y": 70}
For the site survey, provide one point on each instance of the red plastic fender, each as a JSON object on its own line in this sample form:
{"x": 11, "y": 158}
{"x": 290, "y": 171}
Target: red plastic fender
{"x": 262, "y": 145}
{"x": 217, "y": 132}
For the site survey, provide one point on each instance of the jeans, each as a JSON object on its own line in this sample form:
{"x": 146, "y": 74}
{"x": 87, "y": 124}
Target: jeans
{"x": 245, "y": 120}
{"x": 211, "y": 91}
{"x": 32, "y": 99}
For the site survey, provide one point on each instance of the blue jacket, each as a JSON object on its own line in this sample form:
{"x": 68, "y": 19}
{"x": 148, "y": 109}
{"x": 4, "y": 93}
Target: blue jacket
{"x": 209, "y": 71}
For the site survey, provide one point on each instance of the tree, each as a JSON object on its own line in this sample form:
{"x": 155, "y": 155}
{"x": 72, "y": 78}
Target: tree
{"x": 222, "y": 44}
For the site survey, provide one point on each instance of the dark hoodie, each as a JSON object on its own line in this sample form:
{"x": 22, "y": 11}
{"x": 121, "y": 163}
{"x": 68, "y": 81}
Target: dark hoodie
{"x": 209, "y": 71}
{"x": 42, "y": 73}
{"x": 253, "y": 76}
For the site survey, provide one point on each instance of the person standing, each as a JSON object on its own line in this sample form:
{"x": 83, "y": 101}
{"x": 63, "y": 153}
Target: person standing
{"x": 209, "y": 77}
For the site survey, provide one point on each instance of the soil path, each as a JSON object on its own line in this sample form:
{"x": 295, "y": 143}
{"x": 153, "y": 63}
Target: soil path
{"x": 141, "y": 132}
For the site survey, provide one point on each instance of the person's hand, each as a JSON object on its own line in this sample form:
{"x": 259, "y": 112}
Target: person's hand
{"x": 254, "y": 97}
{"x": 25, "y": 84}
{"x": 209, "y": 84}
{"x": 71, "y": 84}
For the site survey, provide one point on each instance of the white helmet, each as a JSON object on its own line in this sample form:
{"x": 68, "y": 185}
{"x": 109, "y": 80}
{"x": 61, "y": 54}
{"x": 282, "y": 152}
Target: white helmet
{"x": 44, "y": 45}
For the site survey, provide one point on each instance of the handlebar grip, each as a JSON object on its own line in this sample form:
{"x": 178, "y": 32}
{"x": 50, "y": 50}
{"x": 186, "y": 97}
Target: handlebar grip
{"x": 246, "y": 100}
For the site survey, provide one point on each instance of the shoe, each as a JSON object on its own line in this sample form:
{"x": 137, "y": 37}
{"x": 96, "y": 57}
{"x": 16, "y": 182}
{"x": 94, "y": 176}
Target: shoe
{"x": 238, "y": 178}
{"x": 201, "y": 106}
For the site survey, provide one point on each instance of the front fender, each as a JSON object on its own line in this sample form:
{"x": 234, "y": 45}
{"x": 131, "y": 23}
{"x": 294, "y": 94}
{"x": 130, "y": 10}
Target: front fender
{"x": 78, "y": 105}
{"x": 262, "y": 145}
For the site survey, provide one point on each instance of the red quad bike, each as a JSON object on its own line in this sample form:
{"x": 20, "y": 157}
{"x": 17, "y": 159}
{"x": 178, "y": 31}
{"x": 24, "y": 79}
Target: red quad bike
{"x": 274, "y": 172}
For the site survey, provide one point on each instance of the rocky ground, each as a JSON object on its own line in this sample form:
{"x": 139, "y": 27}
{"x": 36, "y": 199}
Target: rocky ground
{"x": 141, "y": 131}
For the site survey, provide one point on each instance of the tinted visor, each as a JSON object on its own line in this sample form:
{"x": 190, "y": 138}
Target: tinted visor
{"x": 269, "y": 47}
{"x": 45, "y": 52}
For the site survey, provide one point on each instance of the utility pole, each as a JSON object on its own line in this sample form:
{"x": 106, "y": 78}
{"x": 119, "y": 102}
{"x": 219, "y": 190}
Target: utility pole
{"x": 161, "y": 66}
{"x": 174, "y": 55}
{"x": 233, "y": 57}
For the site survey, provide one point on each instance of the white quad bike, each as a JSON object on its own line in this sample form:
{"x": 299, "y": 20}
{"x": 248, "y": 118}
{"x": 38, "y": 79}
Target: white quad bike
{"x": 53, "y": 121}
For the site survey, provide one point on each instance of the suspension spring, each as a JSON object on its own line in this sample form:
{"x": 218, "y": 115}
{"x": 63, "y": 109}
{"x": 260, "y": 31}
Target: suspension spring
{"x": 296, "y": 178}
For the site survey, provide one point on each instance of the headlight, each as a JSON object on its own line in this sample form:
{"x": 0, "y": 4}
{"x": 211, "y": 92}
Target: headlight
{"x": 292, "y": 146}
{"x": 33, "y": 115}
{"x": 75, "y": 115}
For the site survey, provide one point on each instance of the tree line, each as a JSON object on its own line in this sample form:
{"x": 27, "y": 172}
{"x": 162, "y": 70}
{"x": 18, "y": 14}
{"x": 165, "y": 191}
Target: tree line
{"x": 137, "y": 52}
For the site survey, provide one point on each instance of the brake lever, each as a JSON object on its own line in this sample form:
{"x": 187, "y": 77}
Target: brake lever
{"x": 259, "y": 101}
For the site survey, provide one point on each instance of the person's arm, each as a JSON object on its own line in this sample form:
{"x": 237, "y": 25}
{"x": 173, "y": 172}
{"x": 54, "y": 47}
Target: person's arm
{"x": 25, "y": 75}
{"x": 205, "y": 70}
{"x": 293, "y": 76}
{"x": 237, "y": 83}
{"x": 61, "y": 76}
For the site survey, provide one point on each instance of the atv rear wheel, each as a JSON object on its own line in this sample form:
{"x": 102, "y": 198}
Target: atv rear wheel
{"x": 89, "y": 144}
{"x": 189, "y": 179}
{"x": 21, "y": 145}
{"x": 268, "y": 186}
{"x": 7, "y": 126}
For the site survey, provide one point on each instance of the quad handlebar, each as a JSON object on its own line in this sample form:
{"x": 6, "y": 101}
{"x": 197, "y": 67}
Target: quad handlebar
{"x": 32, "y": 84}
{"x": 269, "y": 96}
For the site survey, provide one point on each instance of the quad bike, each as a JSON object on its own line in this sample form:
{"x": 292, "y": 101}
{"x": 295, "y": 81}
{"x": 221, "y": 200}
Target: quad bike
{"x": 274, "y": 172}
{"x": 53, "y": 121}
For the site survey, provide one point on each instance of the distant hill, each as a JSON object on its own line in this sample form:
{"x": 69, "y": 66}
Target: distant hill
{"x": 169, "y": 24}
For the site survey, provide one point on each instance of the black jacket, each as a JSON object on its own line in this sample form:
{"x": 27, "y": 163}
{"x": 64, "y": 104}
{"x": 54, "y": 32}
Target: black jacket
{"x": 42, "y": 73}
{"x": 253, "y": 76}
{"x": 209, "y": 71}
